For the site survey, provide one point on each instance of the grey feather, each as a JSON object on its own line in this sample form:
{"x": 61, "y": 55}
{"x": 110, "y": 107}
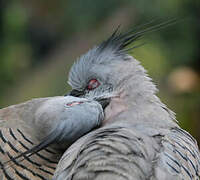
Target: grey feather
{"x": 131, "y": 152}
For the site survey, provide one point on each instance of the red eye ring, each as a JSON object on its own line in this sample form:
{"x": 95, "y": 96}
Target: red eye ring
{"x": 93, "y": 84}
{"x": 73, "y": 103}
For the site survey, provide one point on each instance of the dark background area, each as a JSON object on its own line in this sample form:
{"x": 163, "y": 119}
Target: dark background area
{"x": 39, "y": 41}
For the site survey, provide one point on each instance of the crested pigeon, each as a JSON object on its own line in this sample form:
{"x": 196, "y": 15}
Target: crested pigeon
{"x": 34, "y": 134}
{"x": 139, "y": 137}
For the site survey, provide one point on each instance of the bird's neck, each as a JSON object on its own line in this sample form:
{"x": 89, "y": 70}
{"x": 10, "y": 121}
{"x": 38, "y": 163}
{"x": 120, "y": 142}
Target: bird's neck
{"x": 139, "y": 109}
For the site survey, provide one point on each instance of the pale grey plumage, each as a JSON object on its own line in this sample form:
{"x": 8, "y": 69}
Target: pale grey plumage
{"x": 30, "y": 127}
{"x": 140, "y": 138}
{"x": 118, "y": 152}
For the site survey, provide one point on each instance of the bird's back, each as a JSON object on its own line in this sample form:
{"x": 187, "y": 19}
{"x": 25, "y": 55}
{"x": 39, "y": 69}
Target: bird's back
{"x": 131, "y": 152}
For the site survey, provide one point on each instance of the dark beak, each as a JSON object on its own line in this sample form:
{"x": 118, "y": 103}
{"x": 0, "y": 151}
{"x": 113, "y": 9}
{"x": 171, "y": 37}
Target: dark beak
{"x": 104, "y": 102}
{"x": 75, "y": 93}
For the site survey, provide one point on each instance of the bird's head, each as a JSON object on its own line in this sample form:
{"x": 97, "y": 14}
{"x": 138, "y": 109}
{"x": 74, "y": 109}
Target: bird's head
{"x": 107, "y": 72}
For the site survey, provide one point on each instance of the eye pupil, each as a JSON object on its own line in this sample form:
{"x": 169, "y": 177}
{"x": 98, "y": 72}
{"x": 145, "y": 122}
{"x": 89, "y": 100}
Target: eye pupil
{"x": 93, "y": 83}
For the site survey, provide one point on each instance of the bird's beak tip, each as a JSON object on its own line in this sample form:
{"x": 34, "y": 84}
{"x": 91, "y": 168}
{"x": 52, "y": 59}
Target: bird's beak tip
{"x": 104, "y": 102}
{"x": 75, "y": 93}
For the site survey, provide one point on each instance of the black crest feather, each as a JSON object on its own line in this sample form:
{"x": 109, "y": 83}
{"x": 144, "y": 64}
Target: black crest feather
{"x": 119, "y": 42}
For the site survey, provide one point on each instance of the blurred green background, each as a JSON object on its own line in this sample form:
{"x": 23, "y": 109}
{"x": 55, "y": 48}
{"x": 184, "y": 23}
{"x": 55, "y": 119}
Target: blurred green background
{"x": 41, "y": 39}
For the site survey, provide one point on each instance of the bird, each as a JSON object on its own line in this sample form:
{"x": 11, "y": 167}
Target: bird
{"x": 139, "y": 138}
{"x": 34, "y": 134}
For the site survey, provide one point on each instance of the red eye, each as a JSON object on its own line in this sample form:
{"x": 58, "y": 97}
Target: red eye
{"x": 93, "y": 83}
